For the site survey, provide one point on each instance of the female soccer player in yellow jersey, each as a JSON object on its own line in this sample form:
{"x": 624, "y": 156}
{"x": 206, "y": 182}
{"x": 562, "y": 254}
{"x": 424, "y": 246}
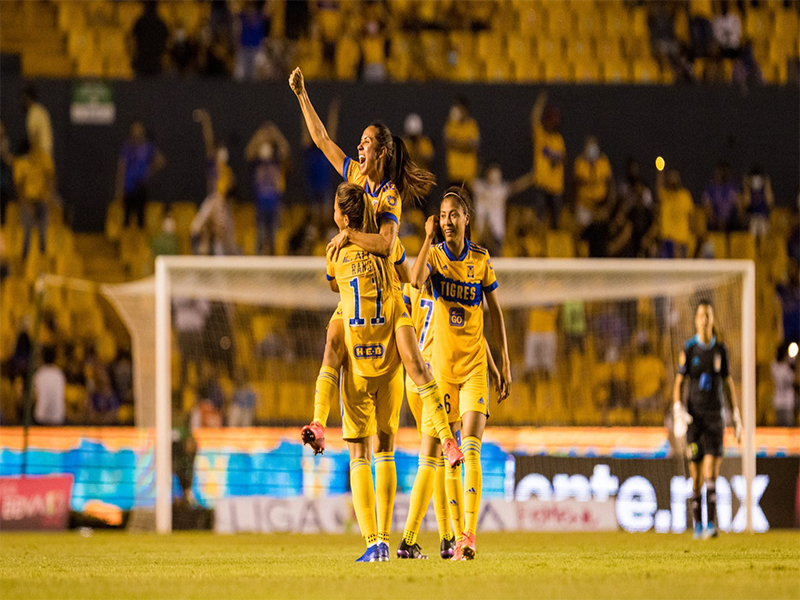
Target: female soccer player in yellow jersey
{"x": 419, "y": 303}
{"x": 462, "y": 276}
{"x": 387, "y": 173}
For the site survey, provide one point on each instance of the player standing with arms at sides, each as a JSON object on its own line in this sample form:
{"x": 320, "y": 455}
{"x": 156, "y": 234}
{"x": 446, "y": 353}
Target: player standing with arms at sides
{"x": 419, "y": 303}
{"x": 387, "y": 173}
{"x": 704, "y": 360}
{"x": 462, "y": 276}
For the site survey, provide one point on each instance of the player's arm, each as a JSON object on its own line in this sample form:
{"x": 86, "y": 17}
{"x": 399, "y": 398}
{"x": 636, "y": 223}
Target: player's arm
{"x": 499, "y": 330}
{"x": 494, "y": 373}
{"x": 380, "y": 243}
{"x": 158, "y": 163}
{"x": 419, "y": 272}
{"x": 316, "y": 128}
{"x": 538, "y": 110}
{"x": 677, "y": 390}
{"x": 402, "y": 272}
{"x": 520, "y": 185}
{"x": 330, "y": 272}
{"x": 200, "y": 115}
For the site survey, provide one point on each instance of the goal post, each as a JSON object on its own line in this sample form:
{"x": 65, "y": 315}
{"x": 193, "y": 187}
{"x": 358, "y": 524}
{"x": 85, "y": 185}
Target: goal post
{"x": 299, "y": 283}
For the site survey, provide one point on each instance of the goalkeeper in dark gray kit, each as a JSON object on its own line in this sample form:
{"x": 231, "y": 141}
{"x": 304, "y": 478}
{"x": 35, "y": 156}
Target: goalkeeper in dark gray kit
{"x": 704, "y": 361}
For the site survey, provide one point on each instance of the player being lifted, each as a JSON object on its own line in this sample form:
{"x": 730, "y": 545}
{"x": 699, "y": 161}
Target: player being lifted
{"x": 388, "y": 175}
{"x": 419, "y": 303}
{"x": 461, "y": 276}
{"x": 704, "y": 360}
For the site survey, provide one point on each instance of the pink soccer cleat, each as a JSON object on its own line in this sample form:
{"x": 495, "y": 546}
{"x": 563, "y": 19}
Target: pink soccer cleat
{"x": 452, "y": 453}
{"x": 313, "y": 434}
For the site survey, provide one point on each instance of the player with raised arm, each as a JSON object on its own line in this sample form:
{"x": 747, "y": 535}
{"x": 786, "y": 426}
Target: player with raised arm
{"x": 704, "y": 360}
{"x": 462, "y": 276}
{"x": 387, "y": 173}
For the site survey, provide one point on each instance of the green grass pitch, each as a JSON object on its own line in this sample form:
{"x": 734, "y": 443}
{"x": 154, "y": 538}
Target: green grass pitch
{"x": 203, "y": 565}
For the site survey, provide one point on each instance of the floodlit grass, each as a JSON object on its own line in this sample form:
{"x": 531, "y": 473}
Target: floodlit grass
{"x": 203, "y": 565}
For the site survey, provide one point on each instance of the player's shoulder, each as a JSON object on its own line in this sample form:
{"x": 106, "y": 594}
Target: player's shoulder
{"x": 476, "y": 249}
{"x": 690, "y": 343}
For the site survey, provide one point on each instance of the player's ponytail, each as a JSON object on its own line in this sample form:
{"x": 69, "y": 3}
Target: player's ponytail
{"x": 461, "y": 195}
{"x": 357, "y": 207}
{"x": 412, "y": 181}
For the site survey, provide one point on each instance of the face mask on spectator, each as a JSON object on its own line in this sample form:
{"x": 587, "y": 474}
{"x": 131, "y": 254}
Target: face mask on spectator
{"x": 265, "y": 152}
{"x": 592, "y": 152}
{"x": 756, "y": 182}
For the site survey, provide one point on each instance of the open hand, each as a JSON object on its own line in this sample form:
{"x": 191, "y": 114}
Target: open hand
{"x": 337, "y": 243}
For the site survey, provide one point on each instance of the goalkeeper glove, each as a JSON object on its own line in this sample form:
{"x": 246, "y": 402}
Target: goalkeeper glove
{"x": 737, "y": 424}
{"x": 680, "y": 420}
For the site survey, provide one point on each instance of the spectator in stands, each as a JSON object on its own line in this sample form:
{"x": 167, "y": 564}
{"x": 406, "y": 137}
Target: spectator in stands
{"x": 661, "y": 23}
{"x": 789, "y": 294}
{"x": 419, "y": 146}
{"x": 649, "y": 382}
{"x": 573, "y": 321}
{"x": 18, "y": 363}
{"x": 268, "y": 152}
{"x": 209, "y": 388}
{"x": 318, "y": 173}
{"x": 219, "y": 175}
{"x": 593, "y": 184}
{"x": 150, "y": 36}
{"x": 373, "y": 44}
{"x": 139, "y": 160}
{"x": 215, "y": 57}
{"x": 190, "y": 317}
{"x": 243, "y": 404}
{"x": 251, "y": 29}
{"x": 49, "y": 385}
{"x": 165, "y": 243}
{"x": 183, "y": 51}
{"x": 34, "y": 179}
{"x": 540, "y": 343}
{"x": 757, "y": 200}
{"x": 783, "y": 400}
{"x": 7, "y": 190}
{"x": 675, "y": 215}
{"x": 74, "y": 369}
{"x": 549, "y": 155}
{"x": 727, "y": 28}
{"x": 37, "y": 121}
{"x": 212, "y": 227}
{"x": 104, "y": 403}
{"x": 491, "y": 194}
{"x": 121, "y": 371}
{"x": 721, "y": 200}
{"x": 746, "y": 71}
{"x": 700, "y": 13}
{"x": 461, "y": 140}
{"x": 636, "y": 204}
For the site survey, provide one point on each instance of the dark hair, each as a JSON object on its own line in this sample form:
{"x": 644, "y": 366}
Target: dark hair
{"x": 30, "y": 92}
{"x": 23, "y": 147}
{"x": 411, "y": 180}
{"x": 354, "y": 204}
{"x": 462, "y": 195}
{"x": 707, "y": 302}
{"x": 782, "y": 353}
{"x": 48, "y": 355}
{"x": 462, "y": 101}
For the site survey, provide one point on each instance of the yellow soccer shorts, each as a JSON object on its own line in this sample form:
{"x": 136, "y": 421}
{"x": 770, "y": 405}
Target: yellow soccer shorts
{"x": 371, "y": 404}
{"x": 472, "y": 394}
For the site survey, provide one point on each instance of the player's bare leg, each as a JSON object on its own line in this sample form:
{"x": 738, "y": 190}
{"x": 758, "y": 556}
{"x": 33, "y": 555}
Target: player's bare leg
{"x": 327, "y": 387}
{"x": 419, "y": 373}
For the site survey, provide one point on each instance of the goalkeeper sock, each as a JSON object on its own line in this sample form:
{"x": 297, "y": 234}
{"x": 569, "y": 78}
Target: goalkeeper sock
{"x": 420, "y": 497}
{"x": 325, "y": 393}
{"x": 433, "y": 400}
{"x": 364, "y": 499}
{"x": 455, "y": 497}
{"x": 697, "y": 510}
{"x": 440, "y": 502}
{"x": 385, "y": 488}
{"x": 711, "y": 500}
{"x": 473, "y": 479}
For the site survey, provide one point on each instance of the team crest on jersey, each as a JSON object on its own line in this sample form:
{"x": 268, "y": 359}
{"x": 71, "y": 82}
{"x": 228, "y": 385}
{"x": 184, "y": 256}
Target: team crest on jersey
{"x": 471, "y": 271}
{"x": 717, "y": 362}
{"x": 392, "y": 200}
{"x": 695, "y": 361}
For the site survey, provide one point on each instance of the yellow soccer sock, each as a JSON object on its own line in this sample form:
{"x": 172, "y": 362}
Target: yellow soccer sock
{"x": 440, "y": 502}
{"x": 420, "y": 497}
{"x": 473, "y": 480}
{"x": 364, "y": 499}
{"x": 326, "y": 393}
{"x": 455, "y": 497}
{"x": 433, "y": 400}
{"x": 385, "y": 488}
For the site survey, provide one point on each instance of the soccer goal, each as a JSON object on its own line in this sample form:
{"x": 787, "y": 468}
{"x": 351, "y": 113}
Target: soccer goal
{"x": 617, "y": 327}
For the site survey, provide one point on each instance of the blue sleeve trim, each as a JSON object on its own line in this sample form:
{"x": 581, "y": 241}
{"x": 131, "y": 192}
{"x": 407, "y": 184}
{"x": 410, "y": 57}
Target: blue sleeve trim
{"x": 388, "y": 215}
{"x": 490, "y": 288}
{"x": 402, "y": 259}
{"x": 329, "y": 277}
{"x": 345, "y": 166}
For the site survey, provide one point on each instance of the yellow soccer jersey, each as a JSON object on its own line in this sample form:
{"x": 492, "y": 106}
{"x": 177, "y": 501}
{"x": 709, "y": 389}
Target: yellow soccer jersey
{"x": 369, "y": 315}
{"x": 459, "y": 283}
{"x": 386, "y": 199}
{"x": 421, "y": 303}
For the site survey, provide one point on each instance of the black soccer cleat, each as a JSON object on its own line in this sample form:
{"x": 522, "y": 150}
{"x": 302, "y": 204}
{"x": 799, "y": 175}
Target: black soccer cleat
{"x": 447, "y": 548}
{"x": 412, "y": 551}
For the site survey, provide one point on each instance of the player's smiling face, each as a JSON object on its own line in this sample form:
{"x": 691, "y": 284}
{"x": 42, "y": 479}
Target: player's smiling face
{"x": 453, "y": 220}
{"x": 369, "y": 154}
{"x": 704, "y": 321}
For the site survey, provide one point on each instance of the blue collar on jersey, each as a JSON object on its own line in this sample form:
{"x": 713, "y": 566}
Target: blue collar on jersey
{"x": 710, "y": 344}
{"x": 450, "y": 254}
{"x": 378, "y": 191}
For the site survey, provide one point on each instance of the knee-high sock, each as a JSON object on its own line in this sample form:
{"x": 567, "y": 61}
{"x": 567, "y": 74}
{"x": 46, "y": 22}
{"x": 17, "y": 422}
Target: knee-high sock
{"x": 433, "y": 400}
{"x": 440, "y": 502}
{"x": 420, "y": 497}
{"x": 473, "y": 480}
{"x": 385, "y": 489}
{"x": 325, "y": 393}
{"x": 364, "y": 499}
{"x": 697, "y": 507}
{"x": 455, "y": 497}
{"x": 711, "y": 500}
